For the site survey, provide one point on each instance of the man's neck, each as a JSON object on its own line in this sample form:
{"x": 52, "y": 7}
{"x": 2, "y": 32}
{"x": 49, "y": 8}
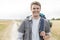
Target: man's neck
{"x": 36, "y": 17}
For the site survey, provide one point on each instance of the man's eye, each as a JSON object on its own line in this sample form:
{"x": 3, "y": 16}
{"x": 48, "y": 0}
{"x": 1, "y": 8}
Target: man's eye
{"x": 37, "y": 8}
{"x": 33, "y": 8}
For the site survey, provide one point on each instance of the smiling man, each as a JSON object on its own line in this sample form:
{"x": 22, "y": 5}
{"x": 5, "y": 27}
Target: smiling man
{"x": 31, "y": 28}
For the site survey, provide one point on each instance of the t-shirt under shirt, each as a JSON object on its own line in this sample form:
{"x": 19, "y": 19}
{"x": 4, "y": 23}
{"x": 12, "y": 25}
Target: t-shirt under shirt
{"x": 35, "y": 29}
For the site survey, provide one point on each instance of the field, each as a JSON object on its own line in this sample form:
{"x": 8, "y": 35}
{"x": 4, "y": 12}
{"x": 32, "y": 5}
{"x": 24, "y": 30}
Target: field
{"x": 55, "y": 30}
{"x": 6, "y": 26}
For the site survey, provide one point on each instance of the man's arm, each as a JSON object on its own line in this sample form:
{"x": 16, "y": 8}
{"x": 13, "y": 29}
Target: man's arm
{"x": 47, "y": 26}
{"x": 21, "y": 31}
{"x": 47, "y": 30}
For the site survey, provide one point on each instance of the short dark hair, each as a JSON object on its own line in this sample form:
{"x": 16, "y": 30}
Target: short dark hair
{"x": 36, "y": 3}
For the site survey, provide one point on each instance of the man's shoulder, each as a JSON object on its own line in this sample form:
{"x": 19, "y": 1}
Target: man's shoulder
{"x": 26, "y": 19}
{"x": 46, "y": 20}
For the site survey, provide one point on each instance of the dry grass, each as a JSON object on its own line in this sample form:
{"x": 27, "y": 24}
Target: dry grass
{"x": 56, "y": 29}
{"x": 4, "y": 29}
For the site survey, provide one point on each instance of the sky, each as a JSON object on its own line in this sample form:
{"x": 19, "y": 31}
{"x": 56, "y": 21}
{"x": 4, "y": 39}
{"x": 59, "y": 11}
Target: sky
{"x": 20, "y": 9}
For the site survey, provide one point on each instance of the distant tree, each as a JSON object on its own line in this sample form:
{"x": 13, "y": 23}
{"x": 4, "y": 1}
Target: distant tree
{"x": 53, "y": 19}
{"x": 57, "y": 18}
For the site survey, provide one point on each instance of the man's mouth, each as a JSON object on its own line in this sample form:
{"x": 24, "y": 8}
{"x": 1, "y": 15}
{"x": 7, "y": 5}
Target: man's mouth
{"x": 35, "y": 12}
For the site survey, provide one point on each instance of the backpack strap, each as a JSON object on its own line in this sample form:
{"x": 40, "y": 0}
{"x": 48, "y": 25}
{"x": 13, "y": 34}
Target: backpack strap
{"x": 41, "y": 28}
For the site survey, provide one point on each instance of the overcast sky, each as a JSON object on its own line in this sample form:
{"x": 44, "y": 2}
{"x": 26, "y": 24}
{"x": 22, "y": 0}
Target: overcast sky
{"x": 19, "y": 9}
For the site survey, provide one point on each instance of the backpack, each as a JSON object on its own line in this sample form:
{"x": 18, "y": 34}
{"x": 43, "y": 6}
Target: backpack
{"x": 43, "y": 16}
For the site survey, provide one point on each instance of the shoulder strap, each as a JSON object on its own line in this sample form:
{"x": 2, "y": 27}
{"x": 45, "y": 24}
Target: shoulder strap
{"x": 41, "y": 28}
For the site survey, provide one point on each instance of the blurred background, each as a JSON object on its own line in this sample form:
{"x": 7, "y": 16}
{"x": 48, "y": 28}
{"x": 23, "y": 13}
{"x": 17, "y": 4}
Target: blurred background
{"x": 13, "y": 12}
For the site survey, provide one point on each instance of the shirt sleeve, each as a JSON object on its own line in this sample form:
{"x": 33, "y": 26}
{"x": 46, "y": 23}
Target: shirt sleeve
{"x": 47, "y": 26}
{"x": 20, "y": 36}
{"x": 21, "y": 30}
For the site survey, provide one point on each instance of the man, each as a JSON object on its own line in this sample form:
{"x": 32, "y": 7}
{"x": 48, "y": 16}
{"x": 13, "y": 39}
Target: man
{"x": 29, "y": 29}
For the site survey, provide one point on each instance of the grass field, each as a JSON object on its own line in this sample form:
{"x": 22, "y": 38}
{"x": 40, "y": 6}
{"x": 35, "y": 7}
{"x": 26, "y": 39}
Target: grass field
{"x": 4, "y": 27}
{"x": 55, "y": 30}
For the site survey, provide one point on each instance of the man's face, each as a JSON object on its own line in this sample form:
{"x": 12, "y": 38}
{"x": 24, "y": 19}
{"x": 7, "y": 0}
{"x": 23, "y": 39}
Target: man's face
{"x": 35, "y": 10}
